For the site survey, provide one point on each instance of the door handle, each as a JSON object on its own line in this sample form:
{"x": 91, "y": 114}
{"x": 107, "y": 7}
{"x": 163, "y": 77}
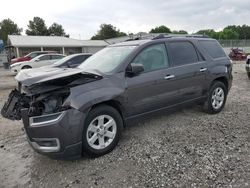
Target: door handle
{"x": 203, "y": 69}
{"x": 168, "y": 77}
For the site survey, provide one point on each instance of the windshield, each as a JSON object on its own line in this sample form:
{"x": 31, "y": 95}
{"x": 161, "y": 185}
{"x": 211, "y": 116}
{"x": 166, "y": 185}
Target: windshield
{"x": 106, "y": 59}
{"x": 63, "y": 60}
{"x": 31, "y": 55}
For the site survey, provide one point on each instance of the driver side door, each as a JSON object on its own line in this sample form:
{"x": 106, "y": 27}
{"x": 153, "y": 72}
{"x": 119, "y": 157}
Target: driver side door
{"x": 145, "y": 92}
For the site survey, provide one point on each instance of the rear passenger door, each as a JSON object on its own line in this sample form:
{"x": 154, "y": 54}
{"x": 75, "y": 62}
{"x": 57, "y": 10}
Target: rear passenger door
{"x": 188, "y": 70}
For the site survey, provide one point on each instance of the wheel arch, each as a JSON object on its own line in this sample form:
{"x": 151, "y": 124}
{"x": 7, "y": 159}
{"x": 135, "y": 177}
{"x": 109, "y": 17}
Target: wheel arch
{"x": 26, "y": 66}
{"x": 222, "y": 79}
{"x": 113, "y": 103}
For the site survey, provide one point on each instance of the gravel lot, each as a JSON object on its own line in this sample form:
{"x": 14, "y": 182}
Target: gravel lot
{"x": 187, "y": 148}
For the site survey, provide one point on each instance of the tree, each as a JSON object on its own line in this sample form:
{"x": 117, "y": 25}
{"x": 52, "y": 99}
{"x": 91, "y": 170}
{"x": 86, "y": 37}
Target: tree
{"x": 209, "y": 32}
{"x": 37, "y": 27}
{"x": 228, "y": 34}
{"x": 180, "y": 32}
{"x": 8, "y": 27}
{"x": 160, "y": 29}
{"x": 243, "y": 31}
{"x": 56, "y": 30}
{"x": 107, "y": 31}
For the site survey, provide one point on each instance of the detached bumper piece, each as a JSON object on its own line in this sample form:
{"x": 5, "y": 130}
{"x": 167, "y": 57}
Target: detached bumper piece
{"x": 12, "y": 108}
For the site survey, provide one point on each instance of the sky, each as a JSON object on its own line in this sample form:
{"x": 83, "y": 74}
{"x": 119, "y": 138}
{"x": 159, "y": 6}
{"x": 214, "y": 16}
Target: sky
{"x": 82, "y": 18}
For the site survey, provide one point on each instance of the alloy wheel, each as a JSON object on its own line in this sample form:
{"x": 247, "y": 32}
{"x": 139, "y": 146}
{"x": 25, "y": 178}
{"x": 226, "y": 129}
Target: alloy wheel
{"x": 101, "y": 132}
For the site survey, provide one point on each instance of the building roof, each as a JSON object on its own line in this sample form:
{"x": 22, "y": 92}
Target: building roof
{"x": 51, "y": 41}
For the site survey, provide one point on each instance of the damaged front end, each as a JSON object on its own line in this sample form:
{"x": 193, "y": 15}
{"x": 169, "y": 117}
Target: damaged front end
{"x": 14, "y": 104}
{"x": 43, "y": 98}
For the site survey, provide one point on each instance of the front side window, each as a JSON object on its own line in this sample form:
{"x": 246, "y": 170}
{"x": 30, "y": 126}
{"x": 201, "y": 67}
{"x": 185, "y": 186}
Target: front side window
{"x": 153, "y": 57}
{"x": 45, "y": 57}
{"x": 182, "y": 53}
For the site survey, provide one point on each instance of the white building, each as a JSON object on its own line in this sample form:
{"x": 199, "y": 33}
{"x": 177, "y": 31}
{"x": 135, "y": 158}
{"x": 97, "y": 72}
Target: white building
{"x": 23, "y": 45}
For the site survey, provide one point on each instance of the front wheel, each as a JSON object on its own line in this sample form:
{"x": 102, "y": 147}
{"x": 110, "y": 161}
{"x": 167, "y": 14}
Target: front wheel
{"x": 216, "y": 98}
{"x": 102, "y": 130}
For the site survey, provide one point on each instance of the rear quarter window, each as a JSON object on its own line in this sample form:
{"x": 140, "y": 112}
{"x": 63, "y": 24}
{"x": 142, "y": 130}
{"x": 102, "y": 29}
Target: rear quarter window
{"x": 212, "y": 48}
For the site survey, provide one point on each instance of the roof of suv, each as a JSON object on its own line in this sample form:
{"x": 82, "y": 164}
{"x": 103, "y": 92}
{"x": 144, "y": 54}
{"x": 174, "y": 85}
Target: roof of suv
{"x": 138, "y": 42}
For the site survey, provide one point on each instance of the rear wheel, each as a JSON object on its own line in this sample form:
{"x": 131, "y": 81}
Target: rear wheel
{"x": 26, "y": 67}
{"x": 216, "y": 98}
{"x": 102, "y": 130}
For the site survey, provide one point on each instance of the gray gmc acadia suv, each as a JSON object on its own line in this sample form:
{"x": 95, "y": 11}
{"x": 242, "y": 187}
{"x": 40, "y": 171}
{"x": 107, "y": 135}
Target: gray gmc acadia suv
{"x": 68, "y": 111}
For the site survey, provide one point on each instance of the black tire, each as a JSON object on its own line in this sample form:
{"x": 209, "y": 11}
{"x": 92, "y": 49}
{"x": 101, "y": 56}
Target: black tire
{"x": 95, "y": 112}
{"x": 26, "y": 67}
{"x": 208, "y": 107}
{"x": 248, "y": 74}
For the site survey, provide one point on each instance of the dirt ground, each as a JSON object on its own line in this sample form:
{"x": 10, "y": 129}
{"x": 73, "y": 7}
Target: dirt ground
{"x": 187, "y": 148}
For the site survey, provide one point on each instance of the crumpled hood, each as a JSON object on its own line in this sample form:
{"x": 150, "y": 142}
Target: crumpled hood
{"x": 34, "y": 76}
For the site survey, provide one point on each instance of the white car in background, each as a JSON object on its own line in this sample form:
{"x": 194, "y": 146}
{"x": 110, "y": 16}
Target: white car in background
{"x": 39, "y": 61}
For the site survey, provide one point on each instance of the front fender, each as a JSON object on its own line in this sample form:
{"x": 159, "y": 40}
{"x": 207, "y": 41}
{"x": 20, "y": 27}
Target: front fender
{"x": 84, "y": 96}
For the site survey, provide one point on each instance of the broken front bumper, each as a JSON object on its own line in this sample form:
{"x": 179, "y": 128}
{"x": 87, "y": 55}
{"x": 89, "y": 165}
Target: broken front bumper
{"x": 12, "y": 107}
{"x": 57, "y": 135}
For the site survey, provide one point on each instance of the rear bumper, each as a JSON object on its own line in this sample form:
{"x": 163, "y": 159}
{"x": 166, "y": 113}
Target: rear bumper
{"x": 57, "y": 135}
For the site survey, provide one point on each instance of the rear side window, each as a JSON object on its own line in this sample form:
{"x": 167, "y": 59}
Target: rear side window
{"x": 45, "y": 57}
{"x": 212, "y": 48}
{"x": 182, "y": 53}
{"x": 56, "y": 56}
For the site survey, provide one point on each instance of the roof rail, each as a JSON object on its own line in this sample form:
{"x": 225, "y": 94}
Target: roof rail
{"x": 161, "y": 36}
{"x": 141, "y": 37}
{"x": 154, "y": 36}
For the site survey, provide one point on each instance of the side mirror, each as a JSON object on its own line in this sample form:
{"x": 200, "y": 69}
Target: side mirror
{"x": 134, "y": 69}
{"x": 70, "y": 64}
{"x": 36, "y": 60}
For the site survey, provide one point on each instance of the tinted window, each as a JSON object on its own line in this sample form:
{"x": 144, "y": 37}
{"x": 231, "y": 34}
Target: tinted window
{"x": 212, "y": 48}
{"x": 183, "y": 53}
{"x": 153, "y": 57}
{"x": 45, "y": 57}
{"x": 77, "y": 60}
{"x": 56, "y": 56}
